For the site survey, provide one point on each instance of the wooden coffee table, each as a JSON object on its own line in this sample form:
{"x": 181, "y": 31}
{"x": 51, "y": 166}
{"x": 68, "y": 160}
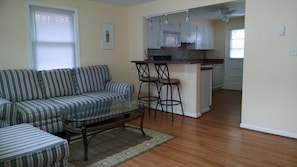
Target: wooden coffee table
{"x": 91, "y": 119}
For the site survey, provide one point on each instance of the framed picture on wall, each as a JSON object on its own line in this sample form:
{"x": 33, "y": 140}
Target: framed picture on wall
{"x": 107, "y": 36}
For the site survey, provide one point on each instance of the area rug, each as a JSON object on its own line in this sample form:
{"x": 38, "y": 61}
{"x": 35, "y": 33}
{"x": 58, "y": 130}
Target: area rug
{"x": 115, "y": 146}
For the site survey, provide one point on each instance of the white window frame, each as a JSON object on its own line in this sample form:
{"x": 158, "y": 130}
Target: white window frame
{"x": 229, "y": 41}
{"x": 32, "y": 56}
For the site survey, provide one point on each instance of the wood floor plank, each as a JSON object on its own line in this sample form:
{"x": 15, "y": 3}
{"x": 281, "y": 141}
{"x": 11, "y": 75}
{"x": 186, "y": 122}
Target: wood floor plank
{"x": 215, "y": 139}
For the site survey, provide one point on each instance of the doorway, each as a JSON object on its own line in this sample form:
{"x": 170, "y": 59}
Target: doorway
{"x": 234, "y": 58}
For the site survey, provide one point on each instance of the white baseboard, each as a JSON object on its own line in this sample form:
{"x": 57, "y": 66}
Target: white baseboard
{"x": 204, "y": 110}
{"x": 188, "y": 114}
{"x": 193, "y": 115}
{"x": 267, "y": 130}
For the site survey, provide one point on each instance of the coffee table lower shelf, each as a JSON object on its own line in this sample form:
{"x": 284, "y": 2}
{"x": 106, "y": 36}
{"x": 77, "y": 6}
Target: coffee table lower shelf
{"x": 95, "y": 128}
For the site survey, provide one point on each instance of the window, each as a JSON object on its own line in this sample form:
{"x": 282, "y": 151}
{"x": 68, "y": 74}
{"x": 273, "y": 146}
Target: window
{"x": 54, "y": 42}
{"x": 236, "y": 49}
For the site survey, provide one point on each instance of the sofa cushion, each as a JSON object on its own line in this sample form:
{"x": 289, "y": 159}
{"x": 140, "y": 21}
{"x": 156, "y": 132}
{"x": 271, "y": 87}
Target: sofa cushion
{"x": 19, "y": 85}
{"x": 41, "y": 113}
{"x": 106, "y": 96}
{"x": 57, "y": 82}
{"x": 73, "y": 101}
{"x": 122, "y": 88}
{"x": 91, "y": 78}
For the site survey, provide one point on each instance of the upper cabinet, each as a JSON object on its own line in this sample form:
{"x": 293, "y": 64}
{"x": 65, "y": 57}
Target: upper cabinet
{"x": 170, "y": 25}
{"x": 204, "y": 37}
{"x": 188, "y": 32}
{"x": 200, "y": 35}
{"x": 153, "y": 34}
{"x": 209, "y": 36}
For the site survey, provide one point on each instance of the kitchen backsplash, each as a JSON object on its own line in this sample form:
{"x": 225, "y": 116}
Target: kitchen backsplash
{"x": 178, "y": 53}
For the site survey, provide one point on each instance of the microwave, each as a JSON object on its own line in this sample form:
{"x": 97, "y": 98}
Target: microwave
{"x": 170, "y": 39}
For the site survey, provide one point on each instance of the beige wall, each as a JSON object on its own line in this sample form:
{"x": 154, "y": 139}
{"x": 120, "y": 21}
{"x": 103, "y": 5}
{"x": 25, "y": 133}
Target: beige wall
{"x": 220, "y": 31}
{"x": 269, "y": 84}
{"x": 270, "y": 72}
{"x": 13, "y": 35}
{"x": 14, "y": 45}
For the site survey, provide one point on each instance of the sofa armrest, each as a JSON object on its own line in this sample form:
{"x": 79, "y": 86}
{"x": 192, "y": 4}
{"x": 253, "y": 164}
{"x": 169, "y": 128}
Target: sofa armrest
{"x": 3, "y": 101}
{"x": 123, "y": 88}
{"x": 7, "y": 116}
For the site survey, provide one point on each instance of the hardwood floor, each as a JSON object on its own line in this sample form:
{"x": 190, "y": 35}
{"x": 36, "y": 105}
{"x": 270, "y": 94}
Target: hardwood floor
{"x": 215, "y": 139}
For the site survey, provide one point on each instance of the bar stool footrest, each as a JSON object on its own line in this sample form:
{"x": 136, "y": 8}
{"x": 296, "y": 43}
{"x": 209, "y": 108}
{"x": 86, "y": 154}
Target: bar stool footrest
{"x": 168, "y": 102}
{"x": 146, "y": 98}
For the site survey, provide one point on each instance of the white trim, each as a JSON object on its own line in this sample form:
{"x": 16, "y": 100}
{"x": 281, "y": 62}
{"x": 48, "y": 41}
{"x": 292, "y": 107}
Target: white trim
{"x": 267, "y": 130}
{"x": 29, "y": 39}
{"x": 76, "y": 36}
{"x": 192, "y": 115}
{"x": 30, "y": 2}
{"x": 179, "y": 112}
{"x": 29, "y": 35}
{"x": 227, "y": 60}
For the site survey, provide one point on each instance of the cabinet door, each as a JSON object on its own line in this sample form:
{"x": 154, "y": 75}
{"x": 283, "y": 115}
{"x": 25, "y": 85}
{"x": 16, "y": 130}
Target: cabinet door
{"x": 200, "y": 41}
{"x": 188, "y": 32}
{"x": 204, "y": 37}
{"x": 172, "y": 25}
{"x": 208, "y": 33}
{"x": 211, "y": 38}
{"x": 153, "y": 34}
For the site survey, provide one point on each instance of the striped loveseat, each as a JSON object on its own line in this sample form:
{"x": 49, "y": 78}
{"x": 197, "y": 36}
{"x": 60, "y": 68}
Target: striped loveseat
{"x": 39, "y": 97}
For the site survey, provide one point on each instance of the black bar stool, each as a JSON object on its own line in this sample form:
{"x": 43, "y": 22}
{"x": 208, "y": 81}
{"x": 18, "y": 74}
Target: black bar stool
{"x": 144, "y": 77}
{"x": 165, "y": 80}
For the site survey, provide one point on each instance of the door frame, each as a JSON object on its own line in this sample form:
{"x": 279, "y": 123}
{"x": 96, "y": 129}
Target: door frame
{"x": 228, "y": 60}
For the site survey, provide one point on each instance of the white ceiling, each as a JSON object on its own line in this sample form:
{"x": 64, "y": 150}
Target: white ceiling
{"x": 124, "y": 2}
{"x": 213, "y": 12}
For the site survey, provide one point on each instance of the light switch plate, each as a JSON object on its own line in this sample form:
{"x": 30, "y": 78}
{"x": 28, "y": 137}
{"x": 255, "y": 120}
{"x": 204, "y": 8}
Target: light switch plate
{"x": 294, "y": 52}
{"x": 282, "y": 31}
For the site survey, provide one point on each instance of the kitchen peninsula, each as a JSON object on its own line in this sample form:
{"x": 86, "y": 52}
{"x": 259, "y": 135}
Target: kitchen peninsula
{"x": 191, "y": 74}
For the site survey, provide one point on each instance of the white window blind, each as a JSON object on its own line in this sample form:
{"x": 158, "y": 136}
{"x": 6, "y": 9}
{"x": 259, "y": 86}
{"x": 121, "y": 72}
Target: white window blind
{"x": 237, "y": 43}
{"x": 53, "y": 38}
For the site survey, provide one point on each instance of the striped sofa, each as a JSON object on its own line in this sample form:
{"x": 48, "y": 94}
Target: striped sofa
{"x": 39, "y": 97}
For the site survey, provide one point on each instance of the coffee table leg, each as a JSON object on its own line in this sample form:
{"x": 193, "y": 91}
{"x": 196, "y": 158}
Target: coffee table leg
{"x": 85, "y": 139}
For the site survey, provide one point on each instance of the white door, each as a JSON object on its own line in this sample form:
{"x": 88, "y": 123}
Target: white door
{"x": 234, "y": 58}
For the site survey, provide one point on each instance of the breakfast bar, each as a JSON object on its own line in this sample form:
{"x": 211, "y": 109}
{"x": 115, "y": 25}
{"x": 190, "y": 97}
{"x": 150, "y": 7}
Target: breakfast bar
{"x": 189, "y": 73}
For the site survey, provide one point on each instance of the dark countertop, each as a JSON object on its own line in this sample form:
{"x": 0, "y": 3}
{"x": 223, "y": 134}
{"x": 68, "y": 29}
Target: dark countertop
{"x": 170, "y": 61}
{"x": 213, "y": 61}
{"x": 198, "y": 61}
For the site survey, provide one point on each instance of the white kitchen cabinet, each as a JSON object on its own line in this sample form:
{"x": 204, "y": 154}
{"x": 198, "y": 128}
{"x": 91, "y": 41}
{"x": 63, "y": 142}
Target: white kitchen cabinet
{"x": 201, "y": 35}
{"x": 188, "y": 32}
{"x": 208, "y": 32}
{"x": 204, "y": 37}
{"x": 205, "y": 88}
{"x": 172, "y": 25}
{"x": 217, "y": 76}
{"x": 199, "y": 44}
{"x": 153, "y": 34}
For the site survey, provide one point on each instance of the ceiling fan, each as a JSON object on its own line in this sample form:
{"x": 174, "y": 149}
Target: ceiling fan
{"x": 226, "y": 13}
